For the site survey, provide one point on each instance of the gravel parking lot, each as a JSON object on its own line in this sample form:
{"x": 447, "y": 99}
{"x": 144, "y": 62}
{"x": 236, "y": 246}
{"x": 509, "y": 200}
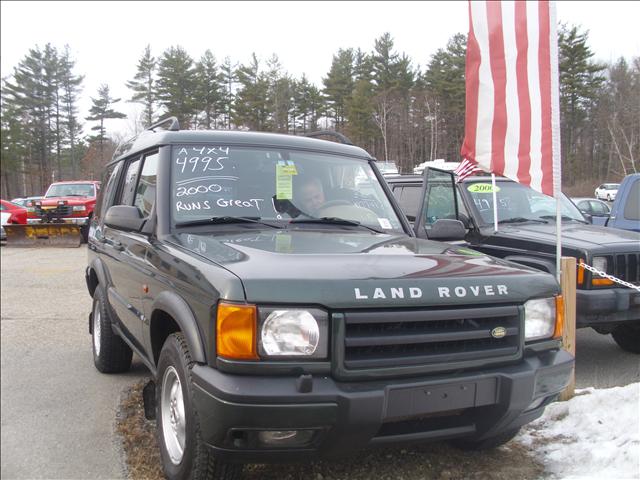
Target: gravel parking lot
{"x": 59, "y": 414}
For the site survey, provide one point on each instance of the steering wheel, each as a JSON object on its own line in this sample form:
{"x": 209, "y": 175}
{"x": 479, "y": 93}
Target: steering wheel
{"x": 335, "y": 203}
{"x": 347, "y": 210}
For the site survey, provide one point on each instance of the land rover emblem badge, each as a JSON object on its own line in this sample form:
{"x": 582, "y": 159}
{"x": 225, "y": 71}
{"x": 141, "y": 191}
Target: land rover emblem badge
{"x": 498, "y": 332}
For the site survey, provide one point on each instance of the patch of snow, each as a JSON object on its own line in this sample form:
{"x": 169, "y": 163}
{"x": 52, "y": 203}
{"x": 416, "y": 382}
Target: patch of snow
{"x": 594, "y": 435}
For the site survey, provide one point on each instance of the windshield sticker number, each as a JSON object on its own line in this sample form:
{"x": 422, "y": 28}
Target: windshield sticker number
{"x": 483, "y": 188}
{"x": 385, "y": 223}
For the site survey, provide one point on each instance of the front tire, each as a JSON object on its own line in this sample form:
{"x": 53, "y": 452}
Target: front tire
{"x": 183, "y": 452}
{"x": 110, "y": 353}
{"x": 627, "y": 337}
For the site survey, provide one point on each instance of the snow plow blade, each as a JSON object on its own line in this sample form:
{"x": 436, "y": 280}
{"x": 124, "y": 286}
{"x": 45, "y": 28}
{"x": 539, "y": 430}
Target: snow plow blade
{"x": 43, "y": 234}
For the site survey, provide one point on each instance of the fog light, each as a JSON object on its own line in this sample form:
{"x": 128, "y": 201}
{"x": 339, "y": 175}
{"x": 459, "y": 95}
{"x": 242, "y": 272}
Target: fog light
{"x": 285, "y": 438}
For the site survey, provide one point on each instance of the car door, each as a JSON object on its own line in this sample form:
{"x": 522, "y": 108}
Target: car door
{"x": 121, "y": 259}
{"x": 438, "y": 216}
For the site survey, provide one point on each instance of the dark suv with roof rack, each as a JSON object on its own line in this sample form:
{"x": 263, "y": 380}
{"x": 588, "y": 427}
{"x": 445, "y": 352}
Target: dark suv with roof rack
{"x": 526, "y": 234}
{"x": 276, "y": 292}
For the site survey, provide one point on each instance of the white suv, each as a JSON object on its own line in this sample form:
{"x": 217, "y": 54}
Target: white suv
{"x": 607, "y": 191}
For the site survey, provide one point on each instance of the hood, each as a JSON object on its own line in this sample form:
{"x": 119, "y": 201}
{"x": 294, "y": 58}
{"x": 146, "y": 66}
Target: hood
{"x": 574, "y": 235}
{"x": 69, "y": 200}
{"x": 356, "y": 269}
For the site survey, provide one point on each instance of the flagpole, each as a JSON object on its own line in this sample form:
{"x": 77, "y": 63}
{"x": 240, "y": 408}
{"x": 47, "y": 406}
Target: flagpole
{"x": 495, "y": 202}
{"x": 555, "y": 132}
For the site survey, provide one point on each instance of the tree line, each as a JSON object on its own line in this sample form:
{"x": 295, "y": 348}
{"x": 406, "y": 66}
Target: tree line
{"x": 380, "y": 99}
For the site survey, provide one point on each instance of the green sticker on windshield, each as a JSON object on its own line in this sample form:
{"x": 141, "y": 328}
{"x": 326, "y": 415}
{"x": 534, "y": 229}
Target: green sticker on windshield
{"x": 284, "y": 186}
{"x": 483, "y": 188}
{"x": 466, "y": 251}
{"x": 283, "y": 243}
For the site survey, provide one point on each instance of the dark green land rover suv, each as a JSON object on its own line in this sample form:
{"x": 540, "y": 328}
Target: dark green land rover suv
{"x": 286, "y": 311}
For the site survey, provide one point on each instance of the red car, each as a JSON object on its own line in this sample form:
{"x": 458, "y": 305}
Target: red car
{"x": 17, "y": 214}
{"x": 66, "y": 202}
{"x": 11, "y": 214}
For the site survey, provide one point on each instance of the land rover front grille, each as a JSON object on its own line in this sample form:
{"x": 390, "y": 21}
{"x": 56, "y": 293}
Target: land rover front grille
{"x": 438, "y": 339}
{"x": 627, "y": 267}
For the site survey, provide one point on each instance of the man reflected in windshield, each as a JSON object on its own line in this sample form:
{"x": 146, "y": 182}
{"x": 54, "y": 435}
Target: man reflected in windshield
{"x": 309, "y": 195}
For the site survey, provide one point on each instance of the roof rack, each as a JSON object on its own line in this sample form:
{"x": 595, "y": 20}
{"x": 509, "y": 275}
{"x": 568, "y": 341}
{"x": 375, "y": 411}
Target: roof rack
{"x": 173, "y": 127}
{"x": 330, "y": 133}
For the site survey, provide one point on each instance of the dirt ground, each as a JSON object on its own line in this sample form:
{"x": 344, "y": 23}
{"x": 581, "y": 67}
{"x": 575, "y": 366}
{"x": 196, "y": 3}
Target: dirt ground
{"x": 436, "y": 461}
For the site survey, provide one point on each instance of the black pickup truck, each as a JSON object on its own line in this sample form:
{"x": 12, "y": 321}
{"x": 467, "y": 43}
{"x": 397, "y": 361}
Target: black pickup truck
{"x": 287, "y": 311}
{"x": 526, "y": 234}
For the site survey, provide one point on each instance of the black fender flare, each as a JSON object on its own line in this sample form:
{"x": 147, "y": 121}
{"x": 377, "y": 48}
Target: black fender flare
{"x": 545, "y": 265}
{"x": 175, "y": 306}
{"x": 97, "y": 266}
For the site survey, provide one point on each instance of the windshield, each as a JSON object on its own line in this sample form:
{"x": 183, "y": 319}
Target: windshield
{"x": 516, "y": 201}
{"x": 71, "y": 190}
{"x": 275, "y": 185}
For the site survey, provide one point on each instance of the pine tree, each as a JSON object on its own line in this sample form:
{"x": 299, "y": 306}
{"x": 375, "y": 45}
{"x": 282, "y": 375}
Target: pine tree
{"x": 208, "y": 90}
{"x": 28, "y": 95}
{"x": 228, "y": 79}
{"x": 143, "y": 84}
{"x": 338, "y": 85}
{"x": 71, "y": 88}
{"x": 444, "y": 80}
{"x": 100, "y": 111}
{"x": 250, "y": 108}
{"x": 176, "y": 85}
{"x": 580, "y": 83}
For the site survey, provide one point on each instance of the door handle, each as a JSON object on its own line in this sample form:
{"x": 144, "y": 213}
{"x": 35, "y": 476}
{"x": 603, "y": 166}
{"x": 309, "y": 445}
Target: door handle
{"x": 116, "y": 244}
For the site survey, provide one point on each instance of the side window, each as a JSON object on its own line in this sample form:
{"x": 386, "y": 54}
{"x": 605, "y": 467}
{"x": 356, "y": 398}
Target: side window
{"x": 409, "y": 199}
{"x": 440, "y": 203}
{"x": 632, "y": 207}
{"x": 129, "y": 186}
{"x": 146, "y": 191}
{"x": 597, "y": 208}
{"x": 104, "y": 195}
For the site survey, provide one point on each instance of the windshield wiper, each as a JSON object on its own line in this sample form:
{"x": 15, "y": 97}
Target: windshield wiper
{"x": 335, "y": 221}
{"x": 225, "y": 220}
{"x": 522, "y": 220}
{"x": 564, "y": 217}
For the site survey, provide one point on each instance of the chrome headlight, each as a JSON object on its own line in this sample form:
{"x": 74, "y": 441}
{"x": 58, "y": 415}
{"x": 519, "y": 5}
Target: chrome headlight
{"x": 293, "y": 333}
{"x": 79, "y": 208}
{"x": 539, "y": 318}
{"x": 600, "y": 263}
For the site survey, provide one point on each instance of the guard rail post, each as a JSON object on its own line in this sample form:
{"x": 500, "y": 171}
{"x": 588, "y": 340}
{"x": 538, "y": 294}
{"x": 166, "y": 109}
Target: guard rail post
{"x": 568, "y": 286}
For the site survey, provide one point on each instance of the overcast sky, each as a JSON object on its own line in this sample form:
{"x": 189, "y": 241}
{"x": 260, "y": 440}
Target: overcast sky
{"x": 108, "y": 38}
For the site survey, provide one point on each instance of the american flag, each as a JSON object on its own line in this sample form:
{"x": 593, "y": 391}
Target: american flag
{"x": 465, "y": 169}
{"x": 512, "y": 124}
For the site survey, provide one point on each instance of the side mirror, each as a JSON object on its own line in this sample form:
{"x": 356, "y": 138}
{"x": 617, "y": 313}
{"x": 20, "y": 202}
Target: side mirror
{"x": 587, "y": 216}
{"x": 124, "y": 217}
{"x": 445, "y": 229}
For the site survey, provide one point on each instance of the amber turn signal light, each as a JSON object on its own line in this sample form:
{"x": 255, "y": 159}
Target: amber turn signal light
{"x": 557, "y": 333}
{"x": 236, "y": 331}
{"x": 580, "y": 278}
{"x": 601, "y": 282}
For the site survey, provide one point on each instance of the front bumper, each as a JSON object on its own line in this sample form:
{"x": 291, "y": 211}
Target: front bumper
{"x": 607, "y": 307}
{"x": 345, "y": 417}
{"x": 73, "y": 220}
